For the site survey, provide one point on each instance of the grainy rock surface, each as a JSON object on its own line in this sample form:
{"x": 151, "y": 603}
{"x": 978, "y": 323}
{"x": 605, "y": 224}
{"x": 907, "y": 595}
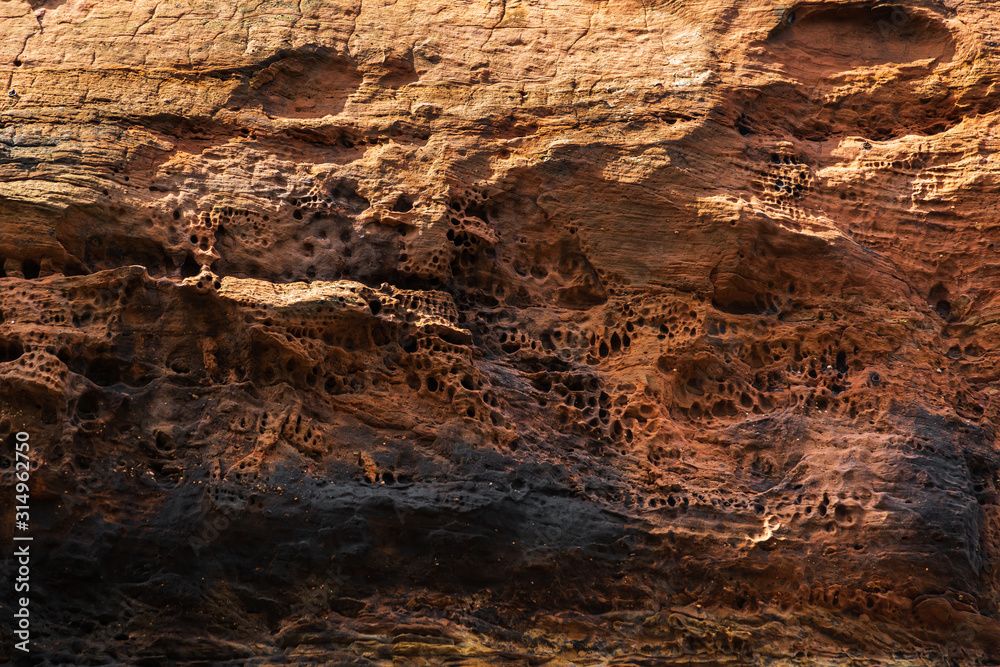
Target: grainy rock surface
{"x": 530, "y": 332}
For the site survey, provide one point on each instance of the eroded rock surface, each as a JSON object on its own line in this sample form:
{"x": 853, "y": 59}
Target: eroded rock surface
{"x": 631, "y": 333}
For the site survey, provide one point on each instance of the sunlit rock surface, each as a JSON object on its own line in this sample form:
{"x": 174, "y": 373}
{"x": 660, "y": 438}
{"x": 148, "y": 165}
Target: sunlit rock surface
{"x": 567, "y": 333}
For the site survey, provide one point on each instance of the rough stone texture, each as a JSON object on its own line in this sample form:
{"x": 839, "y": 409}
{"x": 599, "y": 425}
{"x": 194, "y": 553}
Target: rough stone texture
{"x": 528, "y": 332}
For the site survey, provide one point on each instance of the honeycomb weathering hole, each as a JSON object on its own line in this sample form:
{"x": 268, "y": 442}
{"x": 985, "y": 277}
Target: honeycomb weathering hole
{"x": 825, "y": 40}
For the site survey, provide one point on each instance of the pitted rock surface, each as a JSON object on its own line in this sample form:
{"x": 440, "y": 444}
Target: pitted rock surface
{"x": 503, "y": 332}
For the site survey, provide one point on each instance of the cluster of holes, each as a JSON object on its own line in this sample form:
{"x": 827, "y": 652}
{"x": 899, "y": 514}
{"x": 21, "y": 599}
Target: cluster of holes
{"x": 434, "y": 266}
{"x": 202, "y": 233}
{"x": 444, "y": 370}
{"x": 301, "y": 433}
{"x": 972, "y": 350}
{"x": 467, "y": 234}
{"x": 464, "y": 241}
{"x": 915, "y": 163}
{"x": 670, "y": 322}
{"x": 338, "y": 197}
{"x": 227, "y": 499}
{"x": 387, "y": 477}
{"x": 822, "y": 515}
{"x": 247, "y": 471}
{"x": 583, "y": 405}
{"x": 658, "y": 454}
{"x": 321, "y": 351}
{"x": 786, "y": 181}
{"x": 555, "y": 269}
{"x": 283, "y": 361}
{"x": 318, "y": 226}
{"x": 207, "y": 282}
{"x": 84, "y": 316}
{"x": 512, "y": 340}
{"x": 472, "y": 205}
{"x": 810, "y": 375}
{"x": 79, "y": 305}
{"x": 329, "y": 326}
{"x": 355, "y": 382}
{"x": 325, "y": 350}
{"x": 36, "y": 366}
{"x": 250, "y": 226}
{"x": 702, "y": 502}
{"x": 537, "y": 269}
{"x": 631, "y": 322}
{"x": 260, "y": 432}
{"x": 858, "y": 601}
{"x": 737, "y": 295}
{"x": 567, "y": 340}
{"x": 381, "y": 471}
{"x": 613, "y": 342}
{"x": 418, "y": 306}
{"x": 483, "y": 295}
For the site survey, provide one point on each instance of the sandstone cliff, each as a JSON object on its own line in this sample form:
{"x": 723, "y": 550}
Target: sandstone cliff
{"x": 503, "y": 332}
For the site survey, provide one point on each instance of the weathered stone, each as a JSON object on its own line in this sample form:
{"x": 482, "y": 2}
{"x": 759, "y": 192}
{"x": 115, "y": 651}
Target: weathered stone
{"x": 606, "y": 333}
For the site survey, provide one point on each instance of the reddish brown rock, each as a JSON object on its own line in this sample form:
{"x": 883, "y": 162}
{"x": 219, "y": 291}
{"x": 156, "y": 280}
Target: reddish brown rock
{"x": 502, "y": 333}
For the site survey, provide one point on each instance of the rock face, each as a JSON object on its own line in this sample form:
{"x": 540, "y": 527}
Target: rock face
{"x": 636, "y": 333}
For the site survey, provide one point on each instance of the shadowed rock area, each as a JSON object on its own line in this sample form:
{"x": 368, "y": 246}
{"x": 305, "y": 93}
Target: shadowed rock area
{"x": 502, "y": 333}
